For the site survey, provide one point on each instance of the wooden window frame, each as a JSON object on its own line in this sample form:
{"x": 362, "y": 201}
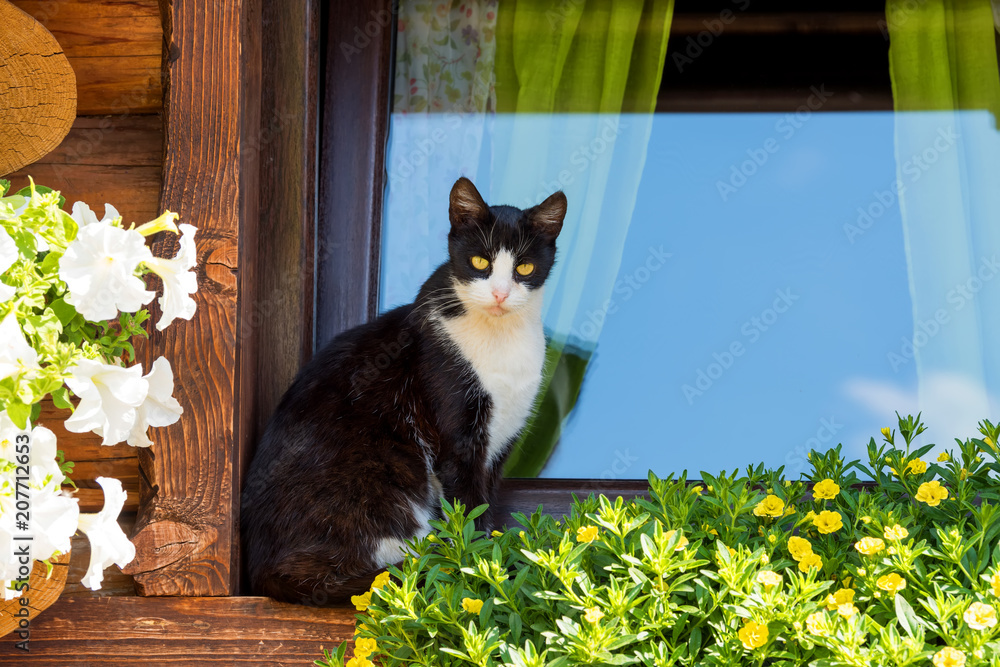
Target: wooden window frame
{"x": 289, "y": 243}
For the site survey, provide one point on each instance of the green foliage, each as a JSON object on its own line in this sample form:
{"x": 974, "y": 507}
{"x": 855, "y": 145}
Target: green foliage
{"x": 742, "y": 569}
{"x": 40, "y": 228}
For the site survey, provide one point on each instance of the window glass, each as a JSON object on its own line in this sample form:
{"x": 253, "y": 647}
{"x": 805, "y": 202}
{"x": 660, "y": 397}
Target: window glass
{"x": 751, "y": 267}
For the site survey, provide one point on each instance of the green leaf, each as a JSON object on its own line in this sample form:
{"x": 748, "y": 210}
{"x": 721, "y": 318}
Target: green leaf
{"x": 907, "y": 617}
{"x": 19, "y": 413}
{"x": 60, "y": 397}
{"x": 63, "y": 311}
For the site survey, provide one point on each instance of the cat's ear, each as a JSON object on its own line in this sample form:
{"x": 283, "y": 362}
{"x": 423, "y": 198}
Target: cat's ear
{"x": 547, "y": 217}
{"x": 466, "y": 205}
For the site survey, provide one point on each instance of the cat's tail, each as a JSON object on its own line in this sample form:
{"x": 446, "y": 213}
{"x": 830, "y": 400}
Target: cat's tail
{"x": 320, "y": 588}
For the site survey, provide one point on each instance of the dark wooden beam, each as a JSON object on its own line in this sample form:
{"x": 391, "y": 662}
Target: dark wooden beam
{"x": 187, "y": 524}
{"x": 354, "y": 128}
{"x": 180, "y": 632}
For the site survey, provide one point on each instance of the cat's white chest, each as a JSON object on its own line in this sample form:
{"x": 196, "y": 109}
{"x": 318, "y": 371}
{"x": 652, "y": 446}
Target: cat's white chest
{"x": 508, "y": 363}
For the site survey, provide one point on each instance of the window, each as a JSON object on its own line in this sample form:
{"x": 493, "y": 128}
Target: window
{"x": 782, "y": 222}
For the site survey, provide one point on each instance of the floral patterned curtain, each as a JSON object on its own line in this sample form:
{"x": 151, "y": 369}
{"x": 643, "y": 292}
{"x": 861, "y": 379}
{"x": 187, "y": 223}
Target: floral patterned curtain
{"x": 444, "y": 87}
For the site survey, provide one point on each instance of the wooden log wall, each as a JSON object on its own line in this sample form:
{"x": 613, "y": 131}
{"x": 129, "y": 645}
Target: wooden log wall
{"x": 113, "y": 154}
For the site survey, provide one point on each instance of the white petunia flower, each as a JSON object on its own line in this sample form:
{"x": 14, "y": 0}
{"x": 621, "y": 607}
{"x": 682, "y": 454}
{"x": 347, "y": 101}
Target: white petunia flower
{"x": 15, "y": 354}
{"x": 8, "y": 255}
{"x": 45, "y": 471}
{"x": 178, "y": 279}
{"x": 109, "y": 396}
{"x": 54, "y": 519}
{"x": 85, "y": 216}
{"x": 160, "y": 407}
{"x": 108, "y": 544}
{"x": 99, "y": 269}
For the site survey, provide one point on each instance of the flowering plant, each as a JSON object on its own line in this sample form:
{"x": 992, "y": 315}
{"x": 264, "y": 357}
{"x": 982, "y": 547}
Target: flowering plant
{"x": 740, "y": 569}
{"x": 71, "y": 301}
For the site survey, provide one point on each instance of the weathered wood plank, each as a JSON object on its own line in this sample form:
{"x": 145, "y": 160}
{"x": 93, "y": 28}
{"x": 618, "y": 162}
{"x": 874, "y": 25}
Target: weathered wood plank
{"x": 188, "y": 500}
{"x": 132, "y": 190}
{"x": 37, "y": 90}
{"x": 113, "y": 46}
{"x": 181, "y": 632}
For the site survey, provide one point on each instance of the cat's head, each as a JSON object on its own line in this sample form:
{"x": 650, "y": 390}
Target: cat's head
{"x": 500, "y": 256}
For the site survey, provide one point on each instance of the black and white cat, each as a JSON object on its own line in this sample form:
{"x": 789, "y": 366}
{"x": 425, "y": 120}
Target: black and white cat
{"x": 425, "y": 401}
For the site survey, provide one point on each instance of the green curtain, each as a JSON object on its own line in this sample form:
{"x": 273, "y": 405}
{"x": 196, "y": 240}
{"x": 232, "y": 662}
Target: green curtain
{"x": 943, "y": 55}
{"x": 599, "y": 57}
{"x": 946, "y": 92}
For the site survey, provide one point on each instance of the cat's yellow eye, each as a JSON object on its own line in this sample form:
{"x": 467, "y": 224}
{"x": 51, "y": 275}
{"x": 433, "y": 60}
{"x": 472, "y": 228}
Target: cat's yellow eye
{"x": 525, "y": 269}
{"x": 480, "y": 262}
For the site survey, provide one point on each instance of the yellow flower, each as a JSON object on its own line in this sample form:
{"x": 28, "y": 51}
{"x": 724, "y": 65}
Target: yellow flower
{"x": 593, "y": 615}
{"x": 810, "y": 515}
{"x": 896, "y": 532}
{"x": 826, "y": 490}
{"x": 989, "y": 442}
{"x": 364, "y": 647}
{"x": 680, "y": 545}
{"x": 586, "y": 533}
{"x": 869, "y": 546}
{"x": 980, "y": 616}
{"x": 828, "y": 522}
{"x": 697, "y": 490}
{"x": 770, "y": 506}
{"x": 799, "y": 548}
{"x": 843, "y": 596}
{"x": 381, "y": 580}
{"x": 931, "y": 493}
{"x": 772, "y": 538}
{"x": 847, "y": 609}
{"x": 949, "y": 657}
{"x": 866, "y": 520}
{"x": 360, "y": 662}
{"x": 817, "y": 625}
{"x": 472, "y": 605}
{"x": 769, "y": 579}
{"x": 496, "y": 533}
{"x": 995, "y": 583}
{"x": 710, "y": 488}
{"x": 917, "y": 467}
{"x": 887, "y": 433}
{"x": 361, "y": 602}
{"x": 962, "y": 474}
{"x": 753, "y": 635}
{"x": 944, "y": 456}
{"x": 713, "y": 532}
{"x": 891, "y": 583}
{"x": 810, "y": 561}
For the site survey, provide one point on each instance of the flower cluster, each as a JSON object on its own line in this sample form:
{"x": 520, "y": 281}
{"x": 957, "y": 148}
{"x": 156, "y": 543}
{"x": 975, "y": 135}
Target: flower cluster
{"x": 753, "y": 570}
{"x": 71, "y": 301}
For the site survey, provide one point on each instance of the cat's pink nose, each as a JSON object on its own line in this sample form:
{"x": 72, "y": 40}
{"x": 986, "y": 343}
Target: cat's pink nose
{"x": 500, "y": 296}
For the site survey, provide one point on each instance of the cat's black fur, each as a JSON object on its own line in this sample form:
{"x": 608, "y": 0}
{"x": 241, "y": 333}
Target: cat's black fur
{"x": 389, "y": 415}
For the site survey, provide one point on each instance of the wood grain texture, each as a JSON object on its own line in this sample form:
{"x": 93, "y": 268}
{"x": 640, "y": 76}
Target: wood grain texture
{"x": 107, "y": 159}
{"x": 281, "y": 315}
{"x": 180, "y": 632}
{"x": 37, "y": 90}
{"x": 113, "y": 46}
{"x": 186, "y": 528}
{"x": 354, "y": 128}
